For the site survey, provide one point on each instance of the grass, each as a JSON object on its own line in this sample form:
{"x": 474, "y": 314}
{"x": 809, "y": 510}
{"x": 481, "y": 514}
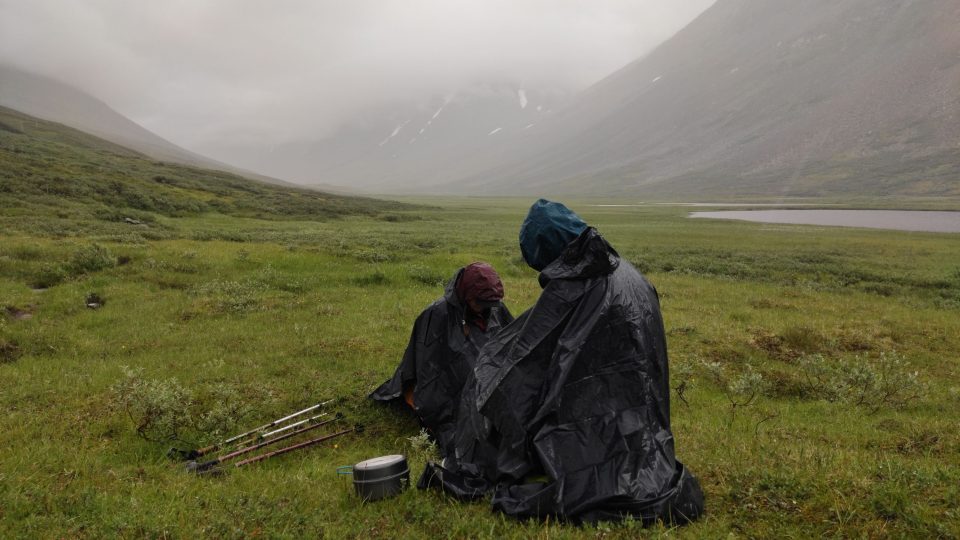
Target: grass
{"x": 817, "y": 366}
{"x": 298, "y": 310}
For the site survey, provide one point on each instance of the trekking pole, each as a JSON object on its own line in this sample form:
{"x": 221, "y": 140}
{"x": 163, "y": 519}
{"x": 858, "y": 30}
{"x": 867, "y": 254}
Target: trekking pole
{"x": 291, "y": 426}
{"x": 209, "y": 466}
{"x": 358, "y": 428}
{"x": 174, "y": 453}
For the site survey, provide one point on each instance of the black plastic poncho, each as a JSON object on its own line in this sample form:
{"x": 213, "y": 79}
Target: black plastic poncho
{"x": 440, "y": 356}
{"x": 568, "y": 414}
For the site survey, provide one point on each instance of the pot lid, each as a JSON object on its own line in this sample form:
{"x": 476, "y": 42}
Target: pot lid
{"x": 380, "y": 467}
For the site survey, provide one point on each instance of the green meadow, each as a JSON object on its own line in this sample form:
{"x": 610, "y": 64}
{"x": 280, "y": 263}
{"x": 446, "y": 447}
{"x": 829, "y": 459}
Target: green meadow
{"x": 815, "y": 370}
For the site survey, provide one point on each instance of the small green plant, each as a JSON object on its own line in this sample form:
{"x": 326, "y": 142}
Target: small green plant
{"x": 423, "y": 447}
{"x": 889, "y": 502}
{"x": 681, "y": 377}
{"x": 741, "y": 390}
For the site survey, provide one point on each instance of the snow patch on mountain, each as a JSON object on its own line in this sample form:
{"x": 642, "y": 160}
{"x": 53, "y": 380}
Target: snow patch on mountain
{"x": 396, "y": 131}
{"x": 522, "y": 94}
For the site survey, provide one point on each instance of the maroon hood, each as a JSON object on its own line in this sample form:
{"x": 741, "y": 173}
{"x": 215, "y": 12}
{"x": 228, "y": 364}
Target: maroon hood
{"x": 479, "y": 282}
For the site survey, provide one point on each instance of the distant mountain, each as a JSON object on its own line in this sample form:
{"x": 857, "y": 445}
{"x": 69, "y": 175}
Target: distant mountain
{"x": 414, "y": 144}
{"x": 762, "y": 97}
{"x": 58, "y": 102}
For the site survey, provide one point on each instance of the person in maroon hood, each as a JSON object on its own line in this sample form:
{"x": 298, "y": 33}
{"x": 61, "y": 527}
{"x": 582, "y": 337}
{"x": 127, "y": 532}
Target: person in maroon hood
{"x": 443, "y": 348}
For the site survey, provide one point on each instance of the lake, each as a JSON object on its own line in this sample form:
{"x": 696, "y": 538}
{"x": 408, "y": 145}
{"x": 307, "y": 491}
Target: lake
{"x": 901, "y": 220}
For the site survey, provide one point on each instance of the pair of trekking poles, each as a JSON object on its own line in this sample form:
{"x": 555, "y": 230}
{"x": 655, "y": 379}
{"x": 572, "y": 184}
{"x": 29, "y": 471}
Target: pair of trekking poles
{"x": 266, "y": 435}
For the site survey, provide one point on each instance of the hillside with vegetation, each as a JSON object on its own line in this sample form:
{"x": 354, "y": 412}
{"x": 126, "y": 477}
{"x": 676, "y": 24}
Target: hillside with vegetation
{"x": 61, "y": 181}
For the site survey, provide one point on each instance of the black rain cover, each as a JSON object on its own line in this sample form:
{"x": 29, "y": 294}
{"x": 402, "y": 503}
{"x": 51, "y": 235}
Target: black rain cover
{"x": 438, "y": 359}
{"x": 568, "y": 412}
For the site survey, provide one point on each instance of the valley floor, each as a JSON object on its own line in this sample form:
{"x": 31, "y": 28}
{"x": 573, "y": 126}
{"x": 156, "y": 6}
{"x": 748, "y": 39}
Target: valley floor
{"x": 816, "y": 370}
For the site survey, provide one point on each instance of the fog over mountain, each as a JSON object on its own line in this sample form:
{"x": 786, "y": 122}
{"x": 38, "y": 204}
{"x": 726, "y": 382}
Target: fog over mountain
{"x": 234, "y": 79}
{"x": 541, "y": 97}
{"x": 760, "y": 97}
{"x": 418, "y": 143}
{"x": 753, "y": 98}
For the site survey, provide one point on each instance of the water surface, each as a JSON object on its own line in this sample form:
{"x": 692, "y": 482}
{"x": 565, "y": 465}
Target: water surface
{"x": 901, "y": 220}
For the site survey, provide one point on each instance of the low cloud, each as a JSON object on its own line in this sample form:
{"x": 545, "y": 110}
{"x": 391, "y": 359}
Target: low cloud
{"x": 267, "y": 73}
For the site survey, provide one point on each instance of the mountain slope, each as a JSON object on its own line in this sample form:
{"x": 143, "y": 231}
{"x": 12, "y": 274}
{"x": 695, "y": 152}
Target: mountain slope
{"x": 57, "y": 102}
{"x": 759, "y": 97}
{"x": 49, "y": 171}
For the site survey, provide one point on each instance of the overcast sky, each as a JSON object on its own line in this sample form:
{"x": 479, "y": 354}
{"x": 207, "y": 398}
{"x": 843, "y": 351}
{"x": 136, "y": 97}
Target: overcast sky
{"x": 197, "y": 71}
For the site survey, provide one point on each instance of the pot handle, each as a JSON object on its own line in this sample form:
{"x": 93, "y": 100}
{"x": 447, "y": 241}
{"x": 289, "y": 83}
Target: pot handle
{"x": 344, "y": 470}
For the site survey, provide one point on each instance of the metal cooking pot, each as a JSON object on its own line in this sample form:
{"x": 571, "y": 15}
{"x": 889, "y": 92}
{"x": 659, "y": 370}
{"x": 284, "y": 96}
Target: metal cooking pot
{"x": 380, "y": 477}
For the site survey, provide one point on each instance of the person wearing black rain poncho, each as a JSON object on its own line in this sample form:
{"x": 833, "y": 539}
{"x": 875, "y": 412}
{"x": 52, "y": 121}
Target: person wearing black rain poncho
{"x": 443, "y": 348}
{"x": 567, "y": 414}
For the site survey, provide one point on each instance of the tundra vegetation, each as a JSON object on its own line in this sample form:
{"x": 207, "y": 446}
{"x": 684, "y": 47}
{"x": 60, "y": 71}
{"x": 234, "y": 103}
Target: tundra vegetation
{"x": 815, "y": 370}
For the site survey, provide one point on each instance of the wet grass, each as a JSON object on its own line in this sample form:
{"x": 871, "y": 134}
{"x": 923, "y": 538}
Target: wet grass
{"x": 251, "y": 318}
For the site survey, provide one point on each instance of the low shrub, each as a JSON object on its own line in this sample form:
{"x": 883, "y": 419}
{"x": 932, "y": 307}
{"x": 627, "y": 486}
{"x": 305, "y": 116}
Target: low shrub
{"x": 26, "y": 253}
{"x": 163, "y": 410}
{"x": 225, "y": 411}
{"x": 426, "y": 275}
{"x": 90, "y": 258}
{"x": 803, "y": 338}
{"x": 160, "y": 409}
{"x": 371, "y": 256}
{"x": 874, "y": 383}
{"x": 375, "y": 278}
{"x": 48, "y": 275}
{"x": 9, "y": 351}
